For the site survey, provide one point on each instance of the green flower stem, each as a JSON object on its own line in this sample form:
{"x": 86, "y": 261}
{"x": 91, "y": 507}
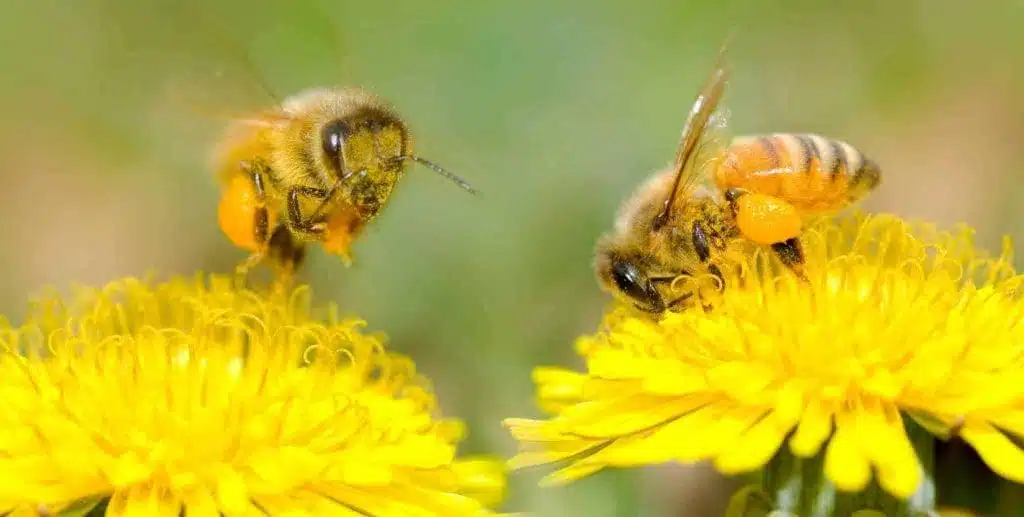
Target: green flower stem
{"x": 797, "y": 487}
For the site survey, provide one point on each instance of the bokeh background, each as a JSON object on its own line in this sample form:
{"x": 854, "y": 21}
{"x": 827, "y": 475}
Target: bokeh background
{"x": 554, "y": 109}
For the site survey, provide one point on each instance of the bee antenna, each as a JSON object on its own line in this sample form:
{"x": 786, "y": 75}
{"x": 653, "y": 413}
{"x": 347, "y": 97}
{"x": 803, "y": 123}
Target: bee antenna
{"x": 440, "y": 170}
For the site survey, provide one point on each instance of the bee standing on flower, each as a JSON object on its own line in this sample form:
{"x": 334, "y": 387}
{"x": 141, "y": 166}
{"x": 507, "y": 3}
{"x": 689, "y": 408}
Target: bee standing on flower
{"x": 319, "y": 168}
{"x": 674, "y": 228}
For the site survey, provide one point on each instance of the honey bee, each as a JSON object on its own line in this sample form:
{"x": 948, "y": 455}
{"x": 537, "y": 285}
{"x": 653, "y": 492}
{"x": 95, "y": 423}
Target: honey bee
{"x": 318, "y": 168}
{"x": 675, "y": 227}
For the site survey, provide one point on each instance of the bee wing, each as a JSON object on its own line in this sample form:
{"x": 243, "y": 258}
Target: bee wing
{"x": 699, "y": 137}
{"x": 202, "y": 52}
{"x": 713, "y": 140}
{"x": 197, "y": 65}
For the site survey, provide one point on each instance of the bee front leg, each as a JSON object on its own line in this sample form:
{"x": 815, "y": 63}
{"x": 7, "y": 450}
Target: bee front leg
{"x": 336, "y": 229}
{"x": 312, "y": 228}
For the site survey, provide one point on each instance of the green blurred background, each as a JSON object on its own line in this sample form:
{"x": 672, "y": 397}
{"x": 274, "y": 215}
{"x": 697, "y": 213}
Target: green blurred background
{"x": 554, "y": 109}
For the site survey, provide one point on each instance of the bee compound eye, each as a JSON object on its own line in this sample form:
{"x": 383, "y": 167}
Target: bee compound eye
{"x": 628, "y": 279}
{"x": 624, "y": 275}
{"x": 333, "y": 137}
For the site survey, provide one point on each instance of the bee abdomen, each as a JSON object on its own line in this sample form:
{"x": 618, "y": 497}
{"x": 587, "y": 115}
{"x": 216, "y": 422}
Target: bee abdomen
{"x": 811, "y": 171}
{"x": 812, "y": 154}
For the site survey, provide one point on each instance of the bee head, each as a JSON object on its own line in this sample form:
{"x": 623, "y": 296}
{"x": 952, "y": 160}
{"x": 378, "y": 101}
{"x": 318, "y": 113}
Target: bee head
{"x": 375, "y": 144}
{"x": 632, "y": 273}
{"x": 361, "y": 152}
{"x": 627, "y": 278}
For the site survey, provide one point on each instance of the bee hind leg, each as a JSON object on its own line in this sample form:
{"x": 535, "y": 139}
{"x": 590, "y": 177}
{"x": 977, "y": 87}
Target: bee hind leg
{"x": 286, "y": 255}
{"x": 791, "y": 254}
{"x": 261, "y": 230}
{"x": 243, "y": 269}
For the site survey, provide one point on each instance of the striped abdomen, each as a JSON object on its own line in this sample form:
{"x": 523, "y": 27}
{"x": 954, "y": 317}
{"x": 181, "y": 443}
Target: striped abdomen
{"x": 809, "y": 171}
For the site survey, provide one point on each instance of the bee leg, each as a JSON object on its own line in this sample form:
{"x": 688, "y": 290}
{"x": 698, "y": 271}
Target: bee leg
{"x": 287, "y": 255}
{"x": 681, "y": 303}
{"x": 242, "y": 270}
{"x": 791, "y": 253}
{"x": 312, "y": 228}
{"x": 261, "y": 221}
{"x": 767, "y": 220}
{"x": 732, "y": 195}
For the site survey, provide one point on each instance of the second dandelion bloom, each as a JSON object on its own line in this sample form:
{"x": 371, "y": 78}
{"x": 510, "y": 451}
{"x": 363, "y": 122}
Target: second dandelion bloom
{"x": 194, "y": 397}
{"x": 899, "y": 326}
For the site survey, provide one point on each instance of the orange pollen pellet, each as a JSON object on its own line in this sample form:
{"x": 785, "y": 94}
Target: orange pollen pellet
{"x": 236, "y": 214}
{"x": 767, "y": 219}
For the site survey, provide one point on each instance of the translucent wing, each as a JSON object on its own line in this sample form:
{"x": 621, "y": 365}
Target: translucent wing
{"x": 703, "y": 121}
{"x": 202, "y": 53}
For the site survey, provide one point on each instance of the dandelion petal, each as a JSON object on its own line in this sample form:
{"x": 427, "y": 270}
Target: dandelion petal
{"x": 996, "y": 449}
{"x": 845, "y": 464}
{"x": 815, "y": 426}
{"x": 754, "y": 448}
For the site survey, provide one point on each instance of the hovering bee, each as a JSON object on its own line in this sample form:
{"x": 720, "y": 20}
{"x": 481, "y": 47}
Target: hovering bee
{"x": 673, "y": 227}
{"x": 319, "y": 168}
{"x": 316, "y": 167}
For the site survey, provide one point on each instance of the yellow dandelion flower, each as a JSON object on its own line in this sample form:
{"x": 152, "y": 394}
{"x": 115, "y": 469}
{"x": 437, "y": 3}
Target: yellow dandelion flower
{"x": 196, "y": 397}
{"x": 899, "y": 325}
